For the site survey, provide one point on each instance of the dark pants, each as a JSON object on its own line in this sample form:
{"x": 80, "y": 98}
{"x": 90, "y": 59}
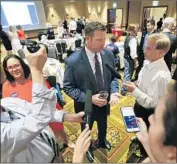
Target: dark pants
{"x": 100, "y": 116}
{"x": 143, "y": 113}
{"x": 140, "y": 61}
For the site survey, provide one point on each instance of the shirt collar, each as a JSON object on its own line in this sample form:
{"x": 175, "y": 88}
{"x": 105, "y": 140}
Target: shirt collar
{"x": 154, "y": 64}
{"x": 91, "y": 54}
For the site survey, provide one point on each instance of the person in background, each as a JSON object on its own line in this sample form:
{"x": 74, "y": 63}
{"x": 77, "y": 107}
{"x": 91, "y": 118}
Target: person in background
{"x": 60, "y": 29}
{"x": 19, "y": 85}
{"x": 115, "y": 50}
{"x": 50, "y": 32}
{"x": 85, "y": 69}
{"x": 25, "y": 137}
{"x": 5, "y": 41}
{"x": 65, "y": 25}
{"x": 167, "y": 30}
{"x": 16, "y": 45}
{"x": 72, "y": 26}
{"x": 160, "y": 141}
{"x": 145, "y": 34}
{"x": 79, "y": 26}
{"x": 71, "y": 47}
{"x": 21, "y": 33}
{"x": 131, "y": 47}
{"x": 159, "y": 25}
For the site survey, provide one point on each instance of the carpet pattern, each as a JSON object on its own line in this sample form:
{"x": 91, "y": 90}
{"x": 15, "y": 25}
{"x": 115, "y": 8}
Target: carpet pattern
{"x": 122, "y": 148}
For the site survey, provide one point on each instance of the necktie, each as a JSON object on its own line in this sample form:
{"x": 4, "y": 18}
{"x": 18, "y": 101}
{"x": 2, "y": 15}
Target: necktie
{"x": 98, "y": 74}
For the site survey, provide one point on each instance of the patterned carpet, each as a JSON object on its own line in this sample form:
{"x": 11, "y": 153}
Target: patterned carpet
{"x": 122, "y": 148}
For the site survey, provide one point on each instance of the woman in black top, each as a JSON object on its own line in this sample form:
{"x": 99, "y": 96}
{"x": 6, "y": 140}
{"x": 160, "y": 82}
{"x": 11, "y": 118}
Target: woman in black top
{"x": 5, "y": 40}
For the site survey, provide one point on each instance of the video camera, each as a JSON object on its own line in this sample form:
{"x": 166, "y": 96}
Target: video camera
{"x": 32, "y": 46}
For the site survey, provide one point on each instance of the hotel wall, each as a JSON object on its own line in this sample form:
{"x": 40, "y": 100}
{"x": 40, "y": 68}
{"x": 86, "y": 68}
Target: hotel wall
{"x": 56, "y": 10}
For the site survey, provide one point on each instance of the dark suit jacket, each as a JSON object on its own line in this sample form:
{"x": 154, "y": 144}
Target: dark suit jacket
{"x": 173, "y": 47}
{"x": 142, "y": 42}
{"x": 79, "y": 77}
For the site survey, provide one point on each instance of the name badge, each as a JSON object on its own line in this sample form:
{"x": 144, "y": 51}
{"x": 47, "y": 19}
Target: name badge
{"x": 15, "y": 94}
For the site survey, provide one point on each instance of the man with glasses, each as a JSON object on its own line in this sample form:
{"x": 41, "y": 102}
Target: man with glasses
{"x": 153, "y": 79}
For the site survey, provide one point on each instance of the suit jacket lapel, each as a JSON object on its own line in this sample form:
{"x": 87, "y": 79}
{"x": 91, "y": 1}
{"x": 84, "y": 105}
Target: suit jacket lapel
{"x": 88, "y": 67}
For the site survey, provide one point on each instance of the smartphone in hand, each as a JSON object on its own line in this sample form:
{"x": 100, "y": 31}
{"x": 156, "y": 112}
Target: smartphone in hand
{"x": 130, "y": 119}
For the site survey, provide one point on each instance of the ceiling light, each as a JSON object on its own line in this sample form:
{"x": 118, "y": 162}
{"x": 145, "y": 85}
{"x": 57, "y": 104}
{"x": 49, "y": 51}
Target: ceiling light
{"x": 155, "y": 3}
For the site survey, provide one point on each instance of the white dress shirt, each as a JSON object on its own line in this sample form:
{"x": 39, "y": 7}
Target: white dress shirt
{"x": 72, "y": 25}
{"x": 133, "y": 48}
{"x": 20, "y": 141}
{"x": 152, "y": 83}
{"x": 53, "y": 67}
{"x": 91, "y": 58}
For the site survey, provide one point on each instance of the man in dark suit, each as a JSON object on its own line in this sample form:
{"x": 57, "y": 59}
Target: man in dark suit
{"x": 86, "y": 69}
{"x": 167, "y": 28}
{"x": 150, "y": 30}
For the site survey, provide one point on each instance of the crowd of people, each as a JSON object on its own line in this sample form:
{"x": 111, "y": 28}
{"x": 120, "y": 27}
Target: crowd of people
{"x": 32, "y": 117}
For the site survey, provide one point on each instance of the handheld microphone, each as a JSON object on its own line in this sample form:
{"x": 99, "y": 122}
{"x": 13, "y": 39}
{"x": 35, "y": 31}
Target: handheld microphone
{"x": 88, "y": 107}
{"x": 113, "y": 71}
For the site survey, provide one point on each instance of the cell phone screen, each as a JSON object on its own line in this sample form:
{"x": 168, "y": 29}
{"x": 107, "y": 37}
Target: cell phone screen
{"x": 130, "y": 119}
{"x": 130, "y": 122}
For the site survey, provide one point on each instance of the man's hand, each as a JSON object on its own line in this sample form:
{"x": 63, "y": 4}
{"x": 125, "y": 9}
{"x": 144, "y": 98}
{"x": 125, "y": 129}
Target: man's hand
{"x": 142, "y": 135}
{"x": 36, "y": 60}
{"x": 72, "y": 117}
{"x": 82, "y": 145}
{"x": 114, "y": 99}
{"x": 98, "y": 102}
{"x": 130, "y": 86}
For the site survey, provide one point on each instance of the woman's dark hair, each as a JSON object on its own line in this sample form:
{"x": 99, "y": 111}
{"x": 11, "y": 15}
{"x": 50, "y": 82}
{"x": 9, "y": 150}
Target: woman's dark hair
{"x": 170, "y": 118}
{"x": 25, "y": 68}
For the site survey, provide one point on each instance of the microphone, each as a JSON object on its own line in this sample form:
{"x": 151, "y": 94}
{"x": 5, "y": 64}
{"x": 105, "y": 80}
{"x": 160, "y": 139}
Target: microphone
{"x": 113, "y": 71}
{"x": 88, "y": 107}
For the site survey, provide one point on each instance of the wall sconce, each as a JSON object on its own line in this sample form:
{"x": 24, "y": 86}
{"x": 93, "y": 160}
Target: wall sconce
{"x": 114, "y": 5}
{"x": 155, "y": 3}
{"x": 99, "y": 9}
{"x": 89, "y": 10}
{"x": 66, "y": 10}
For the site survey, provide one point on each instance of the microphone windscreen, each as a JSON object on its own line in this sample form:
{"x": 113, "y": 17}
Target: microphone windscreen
{"x": 88, "y": 102}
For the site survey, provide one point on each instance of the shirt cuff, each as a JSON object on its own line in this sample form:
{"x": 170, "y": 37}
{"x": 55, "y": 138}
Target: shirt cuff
{"x": 136, "y": 93}
{"x": 59, "y": 116}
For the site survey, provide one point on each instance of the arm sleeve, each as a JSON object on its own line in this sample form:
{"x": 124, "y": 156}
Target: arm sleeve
{"x": 151, "y": 99}
{"x": 70, "y": 86}
{"x": 16, "y": 135}
{"x": 114, "y": 83}
{"x": 133, "y": 48}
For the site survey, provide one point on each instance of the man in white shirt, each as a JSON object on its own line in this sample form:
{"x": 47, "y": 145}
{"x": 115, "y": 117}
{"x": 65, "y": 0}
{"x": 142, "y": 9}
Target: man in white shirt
{"x": 154, "y": 77}
{"x": 130, "y": 54}
{"x": 24, "y": 134}
{"x": 72, "y": 26}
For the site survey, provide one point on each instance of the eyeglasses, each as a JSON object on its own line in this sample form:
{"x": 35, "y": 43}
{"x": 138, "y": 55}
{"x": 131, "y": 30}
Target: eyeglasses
{"x": 15, "y": 66}
{"x": 149, "y": 48}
